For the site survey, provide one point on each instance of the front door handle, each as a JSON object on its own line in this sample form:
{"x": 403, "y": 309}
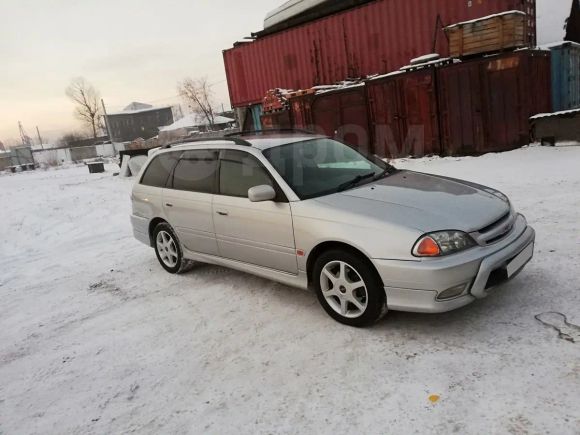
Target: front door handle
{"x": 168, "y": 204}
{"x": 222, "y": 213}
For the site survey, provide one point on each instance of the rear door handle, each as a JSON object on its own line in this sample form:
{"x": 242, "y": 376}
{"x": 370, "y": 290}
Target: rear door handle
{"x": 222, "y": 213}
{"x": 168, "y": 204}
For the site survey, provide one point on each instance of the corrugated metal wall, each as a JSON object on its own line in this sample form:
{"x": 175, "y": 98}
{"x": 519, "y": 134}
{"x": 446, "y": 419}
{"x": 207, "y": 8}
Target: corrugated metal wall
{"x": 403, "y": 113}
{"x": 343, "y": 115}
{"x": 485, "y": 104}
{"x": 378, "y": 37}
{"x": 473, "y": 107}
{"x": 565, "y": 76}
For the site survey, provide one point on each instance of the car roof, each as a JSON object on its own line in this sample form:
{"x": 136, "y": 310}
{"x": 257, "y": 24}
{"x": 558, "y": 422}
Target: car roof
{"x": 255, "y": 140}
{"x": 274, "y": 140}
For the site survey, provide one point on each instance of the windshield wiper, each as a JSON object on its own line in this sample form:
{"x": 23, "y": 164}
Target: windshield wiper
{"x": 389, "y": 170}
{"x": 355, "y": 181}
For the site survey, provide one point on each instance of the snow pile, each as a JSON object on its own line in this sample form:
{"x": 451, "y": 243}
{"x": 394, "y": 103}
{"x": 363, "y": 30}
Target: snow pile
{"x": 96, "y": 338}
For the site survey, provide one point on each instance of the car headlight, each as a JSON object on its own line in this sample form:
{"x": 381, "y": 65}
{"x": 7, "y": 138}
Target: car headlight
{"x": 442, "y": 243}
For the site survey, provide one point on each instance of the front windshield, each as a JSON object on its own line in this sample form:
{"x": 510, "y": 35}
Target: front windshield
{"x": 323, "y": 166}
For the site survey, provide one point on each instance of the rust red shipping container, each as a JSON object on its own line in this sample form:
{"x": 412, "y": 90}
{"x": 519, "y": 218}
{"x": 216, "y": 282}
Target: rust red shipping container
{"x": 378, "y": 37}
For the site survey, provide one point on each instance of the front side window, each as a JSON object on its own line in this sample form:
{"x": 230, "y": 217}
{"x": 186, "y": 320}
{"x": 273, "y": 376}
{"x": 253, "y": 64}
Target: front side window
{"x": 239, "y": 172}
{"x": 320, "y": 167}
{"x": 196, "y": 171}
{"x": 158, "y": 171}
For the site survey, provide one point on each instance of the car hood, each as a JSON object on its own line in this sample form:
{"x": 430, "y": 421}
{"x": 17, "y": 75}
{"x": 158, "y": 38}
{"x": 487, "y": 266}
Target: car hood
{"x": 424, "y": 202}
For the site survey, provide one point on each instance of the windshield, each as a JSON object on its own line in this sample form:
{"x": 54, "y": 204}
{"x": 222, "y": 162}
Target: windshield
{"x": 320, "y": 167}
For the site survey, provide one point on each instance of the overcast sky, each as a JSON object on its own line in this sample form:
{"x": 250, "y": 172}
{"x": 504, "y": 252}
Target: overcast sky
{"x": 131, "y": 50}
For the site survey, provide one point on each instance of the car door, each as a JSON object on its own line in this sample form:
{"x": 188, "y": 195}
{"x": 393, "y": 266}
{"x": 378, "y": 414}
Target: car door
{"x": 187, "y": 200}
{"x": 259, "y": 233}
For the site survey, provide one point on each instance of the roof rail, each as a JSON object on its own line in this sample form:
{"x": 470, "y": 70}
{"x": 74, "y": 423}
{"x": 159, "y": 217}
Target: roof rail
{"x": 235, "y": 140}
{"x": 269, "y": 131}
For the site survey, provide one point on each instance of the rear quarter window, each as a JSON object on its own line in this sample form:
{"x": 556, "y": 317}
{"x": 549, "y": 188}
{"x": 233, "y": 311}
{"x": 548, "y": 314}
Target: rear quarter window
{"x": 158, "y": 171}
{"x": 196, "y": 171}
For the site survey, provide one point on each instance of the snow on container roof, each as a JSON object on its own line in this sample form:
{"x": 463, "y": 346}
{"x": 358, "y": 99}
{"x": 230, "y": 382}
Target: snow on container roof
{"x": 556, "y": 114}
{"x": 477, "y": 20}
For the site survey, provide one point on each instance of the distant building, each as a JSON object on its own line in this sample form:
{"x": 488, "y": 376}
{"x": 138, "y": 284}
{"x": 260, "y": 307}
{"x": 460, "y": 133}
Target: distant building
{"x": 138, "y": 120}
{"x": 2, "y": 147}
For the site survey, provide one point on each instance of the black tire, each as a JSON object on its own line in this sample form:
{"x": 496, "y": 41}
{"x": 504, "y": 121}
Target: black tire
{"x": 376, "y": 306}
{"x": 181, "y": 264}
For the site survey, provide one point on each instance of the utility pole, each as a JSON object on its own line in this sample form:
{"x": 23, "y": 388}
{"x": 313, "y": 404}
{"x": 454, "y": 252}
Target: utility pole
{"x": 39, "y": 138}
{"x": 107, "y": 121}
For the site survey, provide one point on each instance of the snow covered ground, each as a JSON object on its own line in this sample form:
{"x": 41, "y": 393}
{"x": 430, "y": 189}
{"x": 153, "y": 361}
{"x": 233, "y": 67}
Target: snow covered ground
{"x": 96, "y": 338}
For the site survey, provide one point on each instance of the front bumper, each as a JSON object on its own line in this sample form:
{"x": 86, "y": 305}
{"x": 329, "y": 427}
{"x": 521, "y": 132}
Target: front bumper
{"x": 414, "y": 286}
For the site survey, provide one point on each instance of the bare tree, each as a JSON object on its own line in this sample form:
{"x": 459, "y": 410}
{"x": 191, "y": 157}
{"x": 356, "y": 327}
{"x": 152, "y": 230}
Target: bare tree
{"x": 86, "y": 99}
{"x": 198, "y": 96}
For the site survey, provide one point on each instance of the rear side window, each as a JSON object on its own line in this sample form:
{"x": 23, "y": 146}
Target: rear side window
{"x": 239, "y": 172}
{"x": 158, "y": 171}
{"x": 196, "y": 171}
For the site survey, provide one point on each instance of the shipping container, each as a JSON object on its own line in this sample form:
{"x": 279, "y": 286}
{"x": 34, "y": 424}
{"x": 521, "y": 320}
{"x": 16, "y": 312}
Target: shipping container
{"x": 403, "y": 114}
{"x": 551, "y": 128}
{"x": 565, "y": 76}
{"x": 485, "y": 104}
{"x": 376, "y": 37}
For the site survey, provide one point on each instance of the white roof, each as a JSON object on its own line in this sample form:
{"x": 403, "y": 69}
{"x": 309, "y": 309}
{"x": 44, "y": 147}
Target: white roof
{"x": 193, "y": 120}
{"x": 561, "y": 113}
{"x": 257, "y": 141}
{"x": 288, "y": 10}
{"x": 136, "y": 107}
{"x": 560, "y": 44}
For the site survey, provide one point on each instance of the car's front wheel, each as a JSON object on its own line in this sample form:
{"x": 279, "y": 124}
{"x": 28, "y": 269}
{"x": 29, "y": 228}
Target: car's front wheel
{"x": 348, "y": 288}
{"x": 168, "y": 249}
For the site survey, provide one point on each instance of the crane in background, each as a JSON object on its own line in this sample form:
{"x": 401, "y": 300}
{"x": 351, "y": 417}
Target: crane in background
{"x": 26, "y": 140}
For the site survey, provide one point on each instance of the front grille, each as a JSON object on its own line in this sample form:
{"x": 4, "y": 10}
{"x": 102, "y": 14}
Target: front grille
{"x": 501, "y": 220}
{"x": 496, "y": 231}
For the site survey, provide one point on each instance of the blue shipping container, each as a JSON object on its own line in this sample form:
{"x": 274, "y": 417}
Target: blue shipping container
{"x": 565, "y": 76}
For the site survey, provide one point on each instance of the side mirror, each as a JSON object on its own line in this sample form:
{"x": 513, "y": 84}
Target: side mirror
{"x": 261, "y": 193}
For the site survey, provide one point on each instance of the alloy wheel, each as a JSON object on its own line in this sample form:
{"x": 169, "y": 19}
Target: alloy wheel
{"x": 167, "y": 249}
{"x": 344, "y": 289}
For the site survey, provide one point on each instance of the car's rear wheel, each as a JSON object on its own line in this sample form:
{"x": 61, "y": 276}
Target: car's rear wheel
{"x": 168, "y": 249}
{"x": 348, "y": 288}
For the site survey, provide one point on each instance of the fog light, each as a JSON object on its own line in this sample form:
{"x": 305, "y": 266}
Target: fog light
{"x": 451, "y": 293}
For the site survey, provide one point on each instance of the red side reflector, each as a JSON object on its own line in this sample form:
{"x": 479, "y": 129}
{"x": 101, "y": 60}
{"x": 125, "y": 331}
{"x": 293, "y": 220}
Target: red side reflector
{"x": 300, "y": 253}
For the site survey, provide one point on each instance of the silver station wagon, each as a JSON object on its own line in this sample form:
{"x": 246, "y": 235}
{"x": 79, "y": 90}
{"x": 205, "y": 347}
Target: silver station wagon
{"x": 311, "y": 212}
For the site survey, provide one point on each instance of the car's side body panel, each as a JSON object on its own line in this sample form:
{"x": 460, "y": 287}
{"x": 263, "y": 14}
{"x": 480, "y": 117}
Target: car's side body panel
{"x": 258, "y": 233}
{"x": 316, "y": 222}
{"x": 190, "y": 214}
{"x": 299, "y": 280}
